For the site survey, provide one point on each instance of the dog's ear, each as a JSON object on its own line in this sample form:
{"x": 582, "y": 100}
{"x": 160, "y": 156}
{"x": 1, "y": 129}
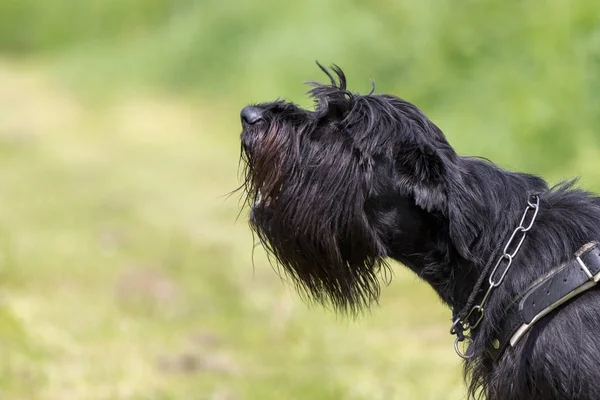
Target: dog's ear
{"x": 423, "y": 172}
{"x": 426, "y": 174}
{"x": 465, "y": 227}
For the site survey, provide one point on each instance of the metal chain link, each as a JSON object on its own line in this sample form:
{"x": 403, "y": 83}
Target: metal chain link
{"x": 477, "y": 312}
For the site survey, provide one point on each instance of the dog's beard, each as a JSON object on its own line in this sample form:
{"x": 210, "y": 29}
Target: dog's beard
{"x": 307, "y": 208}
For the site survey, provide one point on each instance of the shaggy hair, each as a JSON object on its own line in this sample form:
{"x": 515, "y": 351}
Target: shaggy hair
{"x": 337, "y": 190}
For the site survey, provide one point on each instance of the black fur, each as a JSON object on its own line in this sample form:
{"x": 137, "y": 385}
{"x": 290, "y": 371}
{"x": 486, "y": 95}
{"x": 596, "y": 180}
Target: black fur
{"x": 336, "y": 191}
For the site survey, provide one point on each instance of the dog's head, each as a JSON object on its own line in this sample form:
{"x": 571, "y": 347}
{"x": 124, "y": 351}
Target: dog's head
{"x": 330, "y": 188}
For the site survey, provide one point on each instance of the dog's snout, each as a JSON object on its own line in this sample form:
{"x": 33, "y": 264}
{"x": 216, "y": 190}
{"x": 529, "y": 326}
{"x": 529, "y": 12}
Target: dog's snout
{"x": 251, "y": 115}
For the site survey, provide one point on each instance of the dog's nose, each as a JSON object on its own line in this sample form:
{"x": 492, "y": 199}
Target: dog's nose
{"x": 251, "y": 115}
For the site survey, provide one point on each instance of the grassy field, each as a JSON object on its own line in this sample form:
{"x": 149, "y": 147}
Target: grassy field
{"x": 125, "y": 275}
{"x": 125, "y": 272}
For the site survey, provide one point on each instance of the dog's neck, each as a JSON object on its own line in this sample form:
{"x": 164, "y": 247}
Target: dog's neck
{"x": 449, "y": 249}
{"x": 421, "y": 247}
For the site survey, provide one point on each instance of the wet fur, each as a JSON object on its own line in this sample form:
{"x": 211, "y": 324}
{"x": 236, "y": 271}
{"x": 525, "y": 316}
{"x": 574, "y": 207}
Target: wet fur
{"x": 364, "y": 178}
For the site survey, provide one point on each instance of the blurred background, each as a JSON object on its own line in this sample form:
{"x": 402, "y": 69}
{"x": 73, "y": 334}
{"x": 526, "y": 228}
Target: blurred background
{"x": 124, "y": 273}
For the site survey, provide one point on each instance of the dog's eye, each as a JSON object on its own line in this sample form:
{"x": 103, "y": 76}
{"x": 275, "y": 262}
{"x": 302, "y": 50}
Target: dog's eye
{"x": 348, "y": 129}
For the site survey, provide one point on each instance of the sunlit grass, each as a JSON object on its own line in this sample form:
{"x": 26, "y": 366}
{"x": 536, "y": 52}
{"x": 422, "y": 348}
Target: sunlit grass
{"x": 123, "y": 271}
{"x": 126, "y": 275}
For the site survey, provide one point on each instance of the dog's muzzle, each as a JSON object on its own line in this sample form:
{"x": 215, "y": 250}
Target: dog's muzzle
{"x": 250, "y": 117}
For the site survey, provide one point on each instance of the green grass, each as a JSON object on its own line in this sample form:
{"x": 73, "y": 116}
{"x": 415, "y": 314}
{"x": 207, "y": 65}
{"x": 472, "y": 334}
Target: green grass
{"x": 125, "y": 274}
{"x": 123, "y": 271}
{"x": 498, "y": 76}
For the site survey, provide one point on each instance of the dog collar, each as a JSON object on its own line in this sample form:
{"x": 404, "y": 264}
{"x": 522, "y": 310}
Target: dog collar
{"x": 560, "y": 285}
{"x": 469, "y": 318}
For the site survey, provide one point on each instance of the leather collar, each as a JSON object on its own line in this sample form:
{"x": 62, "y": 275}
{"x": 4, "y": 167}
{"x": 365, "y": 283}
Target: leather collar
{"x": 545, "y": 295}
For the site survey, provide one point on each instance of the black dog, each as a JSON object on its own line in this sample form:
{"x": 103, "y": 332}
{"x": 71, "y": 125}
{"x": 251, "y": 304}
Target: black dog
{"x": 335, "y": 191}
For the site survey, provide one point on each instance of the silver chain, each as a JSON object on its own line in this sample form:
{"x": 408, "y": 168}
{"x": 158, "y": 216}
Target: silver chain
{"x": 505, "y": 260}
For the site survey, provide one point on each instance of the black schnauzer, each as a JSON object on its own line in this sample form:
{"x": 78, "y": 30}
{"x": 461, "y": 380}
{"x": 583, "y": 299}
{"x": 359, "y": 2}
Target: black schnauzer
{"x": 335, "y": 191}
